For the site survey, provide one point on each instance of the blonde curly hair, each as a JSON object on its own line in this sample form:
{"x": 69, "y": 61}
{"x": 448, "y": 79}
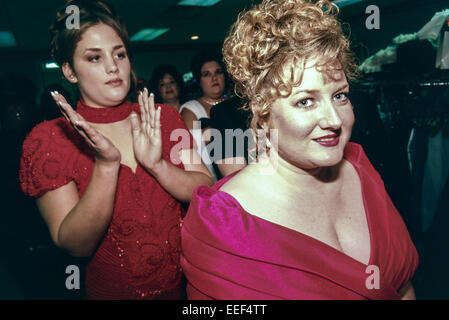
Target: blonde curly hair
{"x": 269, "y": 43}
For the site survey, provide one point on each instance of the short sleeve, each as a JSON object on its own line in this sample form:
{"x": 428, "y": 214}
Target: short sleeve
{"x": 175, "y": 135}
{"x": 45, "y": 160}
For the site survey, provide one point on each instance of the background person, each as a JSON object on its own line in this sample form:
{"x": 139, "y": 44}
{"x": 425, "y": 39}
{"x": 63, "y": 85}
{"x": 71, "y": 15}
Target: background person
{"x": 167, "y": 83}
{"x": 208, "y": 70}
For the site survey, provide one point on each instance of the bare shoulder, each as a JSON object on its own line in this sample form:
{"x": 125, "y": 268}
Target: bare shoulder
{"x": 244, "y": 185}
{"x": 189, "y": 117}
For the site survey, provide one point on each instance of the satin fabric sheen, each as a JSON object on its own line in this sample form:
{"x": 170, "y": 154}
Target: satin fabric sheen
{"x": 227, "y": 253}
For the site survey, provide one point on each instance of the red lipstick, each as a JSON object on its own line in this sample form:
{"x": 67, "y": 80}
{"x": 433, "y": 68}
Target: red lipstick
{"x": 331, "y": 140}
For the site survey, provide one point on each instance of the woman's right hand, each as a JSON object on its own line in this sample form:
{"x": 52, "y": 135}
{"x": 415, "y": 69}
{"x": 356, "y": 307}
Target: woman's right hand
{"x": 104, "y": 150}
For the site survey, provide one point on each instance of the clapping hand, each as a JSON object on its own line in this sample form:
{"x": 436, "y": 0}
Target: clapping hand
{"x": 104, "y": 150}
{"x": 146, "y": 131}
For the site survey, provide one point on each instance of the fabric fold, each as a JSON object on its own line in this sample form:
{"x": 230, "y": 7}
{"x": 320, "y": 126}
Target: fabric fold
{"x": 230, "y": 254}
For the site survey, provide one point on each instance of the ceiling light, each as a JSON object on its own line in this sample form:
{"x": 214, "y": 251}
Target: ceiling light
{"x": 194, "y": 37}
{"x": 198, "y": 3}
{"x": 148, "y": 34}
{"x": 7, "y": 39}
{"x": 345, "y": 3}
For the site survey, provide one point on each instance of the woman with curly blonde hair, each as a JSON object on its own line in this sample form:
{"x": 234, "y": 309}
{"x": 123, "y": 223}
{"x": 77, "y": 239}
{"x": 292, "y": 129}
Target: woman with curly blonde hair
{"x": 320, "y": 225}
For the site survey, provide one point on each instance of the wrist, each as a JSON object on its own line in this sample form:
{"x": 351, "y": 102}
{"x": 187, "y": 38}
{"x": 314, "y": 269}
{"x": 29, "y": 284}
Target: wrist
{"x": 156, "y": 167}
{"x": 107, "y": 166}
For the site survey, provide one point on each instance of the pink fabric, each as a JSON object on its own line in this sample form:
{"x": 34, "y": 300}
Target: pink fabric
{"x": 230, "y": 254}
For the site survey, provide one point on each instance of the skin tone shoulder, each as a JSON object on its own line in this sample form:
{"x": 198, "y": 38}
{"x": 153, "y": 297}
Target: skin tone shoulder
{"x": 101, "y": 69}
{"x": 304, "y": 183}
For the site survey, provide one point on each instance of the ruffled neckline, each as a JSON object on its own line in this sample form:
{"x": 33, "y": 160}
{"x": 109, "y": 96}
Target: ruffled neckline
{"x": 104, "y": 115}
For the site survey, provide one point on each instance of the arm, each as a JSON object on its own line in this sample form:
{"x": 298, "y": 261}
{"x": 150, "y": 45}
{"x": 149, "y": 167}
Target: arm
{"x": 181, "y": 183}
{"x": 147, "y": 142}
{"x": 407, "y": 292}
{"x": 77, "y": 224}
{"x": 228, "y": 163}
{"x": 189, "y": 118}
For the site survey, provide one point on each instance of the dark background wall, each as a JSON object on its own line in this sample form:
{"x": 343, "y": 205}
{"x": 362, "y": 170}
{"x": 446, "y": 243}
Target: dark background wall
{"x": 396, "y": 17}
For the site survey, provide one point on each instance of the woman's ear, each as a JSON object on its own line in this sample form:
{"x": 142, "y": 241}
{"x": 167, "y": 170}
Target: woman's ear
{"x": 68, "y": 72}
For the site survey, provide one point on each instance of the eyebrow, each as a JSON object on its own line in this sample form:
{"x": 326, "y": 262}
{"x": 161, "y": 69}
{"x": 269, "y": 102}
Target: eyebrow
{"x": 316, "y": 90}
{"x": 98, "y": 49}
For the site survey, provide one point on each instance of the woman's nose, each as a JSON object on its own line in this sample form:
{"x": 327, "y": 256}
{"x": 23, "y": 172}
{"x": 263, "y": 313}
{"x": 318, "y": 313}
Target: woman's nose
{"x": 111, "y": 66}
{"x": 330, "y": 118}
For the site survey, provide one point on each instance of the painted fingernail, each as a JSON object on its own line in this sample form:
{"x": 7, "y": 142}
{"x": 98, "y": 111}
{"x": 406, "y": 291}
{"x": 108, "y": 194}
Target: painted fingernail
{"x": 152, "y": 94}
{"x": 56, "y": 92}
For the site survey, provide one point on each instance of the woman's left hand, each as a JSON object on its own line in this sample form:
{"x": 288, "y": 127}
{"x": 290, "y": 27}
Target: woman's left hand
{"x": 146, "y": 132}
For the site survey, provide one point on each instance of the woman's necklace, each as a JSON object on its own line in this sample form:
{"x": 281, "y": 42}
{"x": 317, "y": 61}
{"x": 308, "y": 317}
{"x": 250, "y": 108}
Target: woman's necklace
{"x": 212, "y": 103}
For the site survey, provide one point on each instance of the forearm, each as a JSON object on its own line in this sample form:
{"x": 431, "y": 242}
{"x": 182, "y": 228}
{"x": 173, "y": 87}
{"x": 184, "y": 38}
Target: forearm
{"x": 85, "y": 225}
{"x": 178, "y": 182}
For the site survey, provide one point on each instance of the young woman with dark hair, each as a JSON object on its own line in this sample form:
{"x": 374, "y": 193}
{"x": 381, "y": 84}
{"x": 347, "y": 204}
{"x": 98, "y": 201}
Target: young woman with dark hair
{"x": 108, "y": 178}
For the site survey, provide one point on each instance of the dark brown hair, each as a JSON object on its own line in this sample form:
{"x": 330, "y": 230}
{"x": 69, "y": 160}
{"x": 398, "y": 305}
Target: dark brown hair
{"x": 64, "y": 40}
{"x": 159, "y": 73}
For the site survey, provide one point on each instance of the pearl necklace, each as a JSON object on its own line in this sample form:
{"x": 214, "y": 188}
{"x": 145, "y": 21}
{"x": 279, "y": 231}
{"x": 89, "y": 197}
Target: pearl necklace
{"x": 212, "y": 103}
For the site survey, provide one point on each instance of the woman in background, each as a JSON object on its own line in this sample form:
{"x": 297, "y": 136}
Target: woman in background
{"x": 168, "y": 86}
{"x": 208, "y": 70}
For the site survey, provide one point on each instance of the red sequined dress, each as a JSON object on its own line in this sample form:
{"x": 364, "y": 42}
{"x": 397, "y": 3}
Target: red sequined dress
{"x": 138, "y": 257}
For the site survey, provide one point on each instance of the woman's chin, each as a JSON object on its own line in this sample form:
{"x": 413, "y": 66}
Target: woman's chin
{"x": 116, "y": 98}
{"x": 329, "y": 159}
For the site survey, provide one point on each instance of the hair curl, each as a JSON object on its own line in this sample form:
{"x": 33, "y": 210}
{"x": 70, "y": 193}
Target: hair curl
{"x": 283, "y": 33}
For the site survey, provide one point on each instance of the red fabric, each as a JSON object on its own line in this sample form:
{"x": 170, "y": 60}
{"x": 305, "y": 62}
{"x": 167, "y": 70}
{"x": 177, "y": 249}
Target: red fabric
{"x": 105, "y": 115}
{"x": 139, "y": 255}
{"x": 230, "y": 254}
